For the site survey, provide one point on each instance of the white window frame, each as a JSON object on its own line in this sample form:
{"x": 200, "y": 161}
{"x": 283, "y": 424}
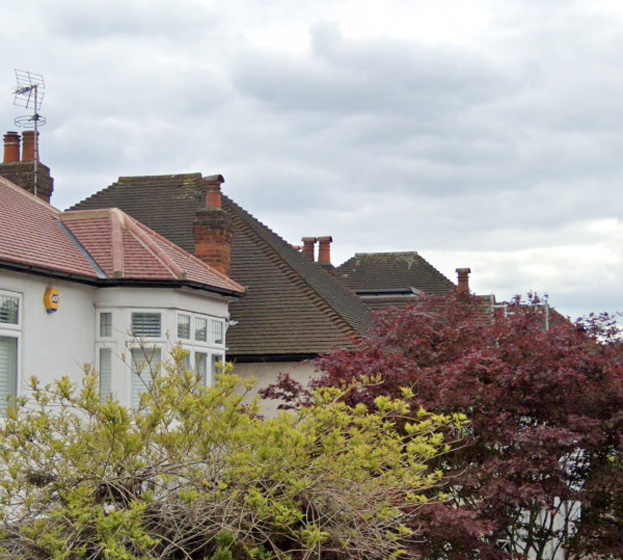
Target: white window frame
{"x": 14, "y": 327}
{"x": 14, "y": 331}
{"x": 213, "y": 323}
{"x": 191, "y": 330}
{"x": 98, "y": 324}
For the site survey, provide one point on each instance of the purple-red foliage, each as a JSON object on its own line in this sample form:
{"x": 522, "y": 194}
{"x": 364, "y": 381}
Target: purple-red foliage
{"x": 546, "y": 411}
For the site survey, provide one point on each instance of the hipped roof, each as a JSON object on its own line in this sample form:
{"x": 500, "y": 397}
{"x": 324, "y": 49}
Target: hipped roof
{"x": 105, "y": 247}
{"x": 292, "y": 307}
{"x": 392, "y": 272}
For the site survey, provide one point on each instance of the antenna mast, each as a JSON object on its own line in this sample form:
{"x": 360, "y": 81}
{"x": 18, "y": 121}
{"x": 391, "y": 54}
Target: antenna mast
{"x": 29, "y": 92}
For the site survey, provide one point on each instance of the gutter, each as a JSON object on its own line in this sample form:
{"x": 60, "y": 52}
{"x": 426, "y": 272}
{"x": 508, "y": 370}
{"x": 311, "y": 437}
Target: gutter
{"x": 115, "y": 282}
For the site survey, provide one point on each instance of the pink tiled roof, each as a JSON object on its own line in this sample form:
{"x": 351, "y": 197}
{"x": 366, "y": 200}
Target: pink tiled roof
{"x": 125, "y": 248}
{"x": 31, "y": 234}
{"x": 92, "y": 244}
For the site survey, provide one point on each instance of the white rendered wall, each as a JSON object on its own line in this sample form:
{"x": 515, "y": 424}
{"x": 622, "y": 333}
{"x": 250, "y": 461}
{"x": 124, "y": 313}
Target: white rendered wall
{"x": 122, "y": 302}
{"x": 267, "y": 372}
{"x": 52, "y": 345}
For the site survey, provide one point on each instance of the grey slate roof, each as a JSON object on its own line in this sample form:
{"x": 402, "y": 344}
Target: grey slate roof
{"x": 292, "y": 308}
{"x": 388, "y": 279}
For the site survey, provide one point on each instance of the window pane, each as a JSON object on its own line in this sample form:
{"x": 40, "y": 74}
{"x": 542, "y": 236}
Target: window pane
{"x": 201, "y": 329}
{"x": 217, "y": 332}
{"x": 185, "y": 362}
{"x": 9, "y": 310}
{"x": 217, "y": 365}
{"x": 201, "y": 368}
{"x": 146, "y": 324}
{"x": 145, "y": 362}
{"x": 8, "y": 370}
{"x": 105, "y": 372}
{"x": 183, "y": 326}
{"x": 105, "y": 324}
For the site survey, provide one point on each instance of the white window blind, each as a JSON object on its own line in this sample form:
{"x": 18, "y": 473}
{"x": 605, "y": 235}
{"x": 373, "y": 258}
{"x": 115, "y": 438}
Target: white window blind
{"x": 105, "y": 369}
{"x": 8, "y": 370}
{"x": 145, "y": 361}
{"x": 146, "y": 324}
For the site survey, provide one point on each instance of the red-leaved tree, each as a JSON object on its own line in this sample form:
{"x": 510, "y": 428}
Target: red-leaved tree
{"x": 540, "y": 471}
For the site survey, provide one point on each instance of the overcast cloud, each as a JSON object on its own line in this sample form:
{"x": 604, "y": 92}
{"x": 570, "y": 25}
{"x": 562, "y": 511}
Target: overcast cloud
{"x": 480, "y": 133}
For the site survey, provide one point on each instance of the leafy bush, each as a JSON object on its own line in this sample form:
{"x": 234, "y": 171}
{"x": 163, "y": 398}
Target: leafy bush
{"x": 198, "y": 474}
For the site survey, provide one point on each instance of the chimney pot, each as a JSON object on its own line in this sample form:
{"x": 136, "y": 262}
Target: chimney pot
{"x": 324, "y": 251}
{"x": 463, "y": 276}
{"x": 30, "y": 150}
{"x": 308, "y": 247}
{"x": 213, "y": 197}
{"x": 12, "y": 141}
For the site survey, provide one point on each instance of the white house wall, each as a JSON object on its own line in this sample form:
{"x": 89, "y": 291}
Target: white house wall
{"x": 183, "y": 300}
{"x": 266, "y": 373}
{"x": 52, "y": 344}
{"x": 122, "y": 302}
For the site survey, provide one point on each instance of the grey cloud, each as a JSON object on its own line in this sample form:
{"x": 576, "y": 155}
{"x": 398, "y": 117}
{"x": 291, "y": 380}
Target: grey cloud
{"x": 98, "y": 20}
{"x": 382, "y": 77}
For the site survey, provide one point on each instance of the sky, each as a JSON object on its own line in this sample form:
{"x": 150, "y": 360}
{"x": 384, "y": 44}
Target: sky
{"x": 481, "y": 133}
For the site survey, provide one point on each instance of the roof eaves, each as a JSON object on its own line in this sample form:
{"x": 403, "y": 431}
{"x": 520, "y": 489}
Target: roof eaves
{"x": 49, "y": 272}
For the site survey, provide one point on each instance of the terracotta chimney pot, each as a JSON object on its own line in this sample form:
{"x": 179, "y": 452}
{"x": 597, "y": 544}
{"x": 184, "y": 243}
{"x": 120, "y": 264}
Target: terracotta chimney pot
{"x": 213, "y": 197}
{"x": 324, "y": 251}
{"x": 12, "y": 141}
{"x": 463, "y": 274}
{"x": 30, "y": 138}
{"x": 308, "y": 247}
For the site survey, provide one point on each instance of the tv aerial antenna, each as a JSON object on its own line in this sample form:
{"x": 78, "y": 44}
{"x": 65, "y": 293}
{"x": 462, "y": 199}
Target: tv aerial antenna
{"x": 29, "y": 92}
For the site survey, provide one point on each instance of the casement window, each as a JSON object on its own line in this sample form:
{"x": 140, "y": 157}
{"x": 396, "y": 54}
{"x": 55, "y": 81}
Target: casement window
{"x": 194, "y": 328}
{"x": 183, "y": 327}
{"x": 201, "y": 329}
{"x": 9, "y": 309}
{"x": 10, "y": 332}
{"x": 147, "y": 325}
{"x": 201, "y": 368}
{"x": 217, "y": 331}
{"x": 105, "y": 324}
{"x": 203, "y": 360}
{"x": 145, "y": 363}
{"x": 217, "y": 364}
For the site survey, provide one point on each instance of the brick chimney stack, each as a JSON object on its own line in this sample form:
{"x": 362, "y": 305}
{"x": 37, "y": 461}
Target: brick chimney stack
{"x": 26, "y": 172}
{"x": 463, "y": 275}
{"x": 324, "y": 251}
{"x": 308, "y": 247}
{"x": 213, "y": 228}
